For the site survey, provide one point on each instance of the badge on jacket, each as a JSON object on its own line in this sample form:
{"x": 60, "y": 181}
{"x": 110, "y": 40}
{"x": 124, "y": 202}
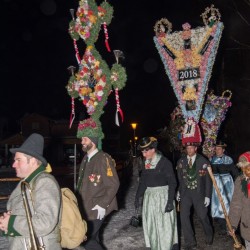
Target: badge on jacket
{"x": 95, "y": 178}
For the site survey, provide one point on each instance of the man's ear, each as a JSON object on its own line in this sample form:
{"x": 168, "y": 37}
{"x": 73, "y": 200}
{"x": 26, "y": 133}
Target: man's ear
{"x": 33, "y": 161}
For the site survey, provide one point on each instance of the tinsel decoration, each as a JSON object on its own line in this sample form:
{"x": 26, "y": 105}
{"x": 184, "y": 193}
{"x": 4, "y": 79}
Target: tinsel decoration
{"x": 106, "y": 37}
{"x": 72, "y": 115}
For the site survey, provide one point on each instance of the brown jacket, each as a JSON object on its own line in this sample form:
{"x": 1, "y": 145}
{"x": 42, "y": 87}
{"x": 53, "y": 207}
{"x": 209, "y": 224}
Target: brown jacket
{"x": 239, "y": 211}
{"x": 98, "y": 184}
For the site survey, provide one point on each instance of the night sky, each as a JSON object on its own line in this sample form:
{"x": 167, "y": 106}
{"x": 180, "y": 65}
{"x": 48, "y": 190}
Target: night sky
{"x": 36, "y": 50}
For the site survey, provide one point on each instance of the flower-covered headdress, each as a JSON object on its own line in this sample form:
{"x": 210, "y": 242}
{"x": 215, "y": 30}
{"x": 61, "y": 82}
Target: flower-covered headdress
{"x": 188, "y": 57}
{"x": 213, "y": 115}
{"x": 93, "y": 82}
{"x": 244, "y": 160}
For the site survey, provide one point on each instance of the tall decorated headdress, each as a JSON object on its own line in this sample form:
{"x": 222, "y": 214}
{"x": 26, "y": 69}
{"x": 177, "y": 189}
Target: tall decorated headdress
{"x": 213, "y": 115}
{"x": 94, "y": 80}
{"x": 188, "y": 57}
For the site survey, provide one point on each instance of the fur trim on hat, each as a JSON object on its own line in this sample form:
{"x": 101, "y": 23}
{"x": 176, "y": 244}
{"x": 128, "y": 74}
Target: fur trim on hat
{"x": 244, "y": 160}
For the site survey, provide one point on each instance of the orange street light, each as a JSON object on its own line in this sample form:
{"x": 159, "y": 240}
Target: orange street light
{"x": 134, "y": 125}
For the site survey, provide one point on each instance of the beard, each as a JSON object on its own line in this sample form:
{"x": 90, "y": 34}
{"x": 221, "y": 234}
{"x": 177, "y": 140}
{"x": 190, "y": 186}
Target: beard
{"x": 86, "y": 148}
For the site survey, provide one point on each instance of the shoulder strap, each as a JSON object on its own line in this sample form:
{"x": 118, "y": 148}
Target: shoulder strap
{"x": 109, "y": 170}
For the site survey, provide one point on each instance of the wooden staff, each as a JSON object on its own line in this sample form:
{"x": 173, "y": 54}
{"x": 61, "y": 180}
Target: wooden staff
{"x": 237, "y": 244}
{"x": 9, "y": 179}
{"x": 6, "y": 197}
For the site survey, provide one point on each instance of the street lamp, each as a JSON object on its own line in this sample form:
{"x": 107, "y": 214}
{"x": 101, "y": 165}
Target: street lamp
{"x": 134, "y": 125}
{"x": 136, "y": 138}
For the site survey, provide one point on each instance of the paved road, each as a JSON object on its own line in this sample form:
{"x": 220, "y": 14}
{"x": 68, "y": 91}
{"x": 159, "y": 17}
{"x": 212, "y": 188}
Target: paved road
{"x": 118, "y": 234}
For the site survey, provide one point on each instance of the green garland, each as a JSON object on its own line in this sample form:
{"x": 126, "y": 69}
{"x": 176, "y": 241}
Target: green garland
{"x": 118, "y": 76}
{"x": 96, "y": 27}
{"x": 109, "y": 12}
{"x": 70, "y": 87}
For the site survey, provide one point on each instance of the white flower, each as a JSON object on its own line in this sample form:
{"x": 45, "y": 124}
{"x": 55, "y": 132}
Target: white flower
{"x": 204, "y": 166}
{"x": 100, "y": 93}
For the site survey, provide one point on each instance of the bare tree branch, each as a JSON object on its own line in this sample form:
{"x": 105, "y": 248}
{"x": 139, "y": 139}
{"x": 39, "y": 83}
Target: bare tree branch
{"x": 240, "y": 15}
{"x": 247, "y": 2}
{"x": 240, "y": 43}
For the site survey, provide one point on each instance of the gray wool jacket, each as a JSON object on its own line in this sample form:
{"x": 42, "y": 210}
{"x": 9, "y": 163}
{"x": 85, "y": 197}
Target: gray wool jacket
{"x": 46, "y": 215}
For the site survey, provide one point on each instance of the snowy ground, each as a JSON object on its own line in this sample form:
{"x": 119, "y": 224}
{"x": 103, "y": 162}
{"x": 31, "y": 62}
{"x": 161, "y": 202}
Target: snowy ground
{"x": 117, "y": 234}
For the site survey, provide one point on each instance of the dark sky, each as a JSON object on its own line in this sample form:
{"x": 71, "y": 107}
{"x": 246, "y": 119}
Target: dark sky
{"x": 36, "y": 50}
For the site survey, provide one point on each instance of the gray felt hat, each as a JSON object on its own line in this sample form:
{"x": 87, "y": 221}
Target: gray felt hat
{"x": 32, "y": 146}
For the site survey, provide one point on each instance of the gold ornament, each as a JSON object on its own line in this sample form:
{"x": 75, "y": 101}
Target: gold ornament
{"x": 162, "y": 26}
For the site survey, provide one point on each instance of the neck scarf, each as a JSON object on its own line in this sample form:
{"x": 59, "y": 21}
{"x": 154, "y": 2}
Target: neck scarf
{"x": 245, "y": 186}
{"x": 151, "y": 163}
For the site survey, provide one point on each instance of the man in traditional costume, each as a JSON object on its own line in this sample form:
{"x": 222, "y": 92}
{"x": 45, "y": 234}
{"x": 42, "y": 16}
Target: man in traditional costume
{"x": 97, "y": 185}
{"x": 239, "y": 211}
{"x": 43, "y": 198}
{"x": 225, "y": 172}
{"x": 195, "y": 188}
{"x": 157, "y": 187}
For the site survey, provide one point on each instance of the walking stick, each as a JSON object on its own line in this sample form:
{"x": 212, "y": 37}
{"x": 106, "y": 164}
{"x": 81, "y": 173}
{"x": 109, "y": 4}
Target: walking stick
{"x": 237, "y": 244}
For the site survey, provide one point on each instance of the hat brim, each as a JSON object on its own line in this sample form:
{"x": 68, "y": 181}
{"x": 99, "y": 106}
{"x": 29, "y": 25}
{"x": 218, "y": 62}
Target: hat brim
{"x": 196, "y": 144}
{"x": 220, "y": 145}
{"x": 151, "y": 144}
{"x": 243, "y": 164}
{"x": 37, "y": 156}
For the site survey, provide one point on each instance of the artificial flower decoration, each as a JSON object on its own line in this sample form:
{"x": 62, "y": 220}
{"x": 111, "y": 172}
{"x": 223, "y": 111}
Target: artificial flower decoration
{"x": 89, "y": 83}
{"x": 214, "y": 114}
{"x": 90, "y": 127}
{"x": 176, "y": 127}
{"x": 94, "y": 80}
{"x": 188, "y": 57}
{"x": 88, "y": 21}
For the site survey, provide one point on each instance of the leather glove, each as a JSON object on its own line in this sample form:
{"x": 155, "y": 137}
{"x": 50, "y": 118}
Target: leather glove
{"x": 207, "y": 201}
{"x": 169, "y": 207}
{"x": 100, "y": 213}
{"x": 178, "y": 196}
{"x": 136, "y": 203}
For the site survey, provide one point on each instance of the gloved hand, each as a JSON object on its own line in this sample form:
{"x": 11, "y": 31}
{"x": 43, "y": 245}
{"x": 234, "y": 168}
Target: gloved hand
{"x": 178, "y": 196}
{"x": 136, "y": 203}
{"x": 100, "y": 213}
{"x": 169, "y": 207}
{"x": 207, "y": 201}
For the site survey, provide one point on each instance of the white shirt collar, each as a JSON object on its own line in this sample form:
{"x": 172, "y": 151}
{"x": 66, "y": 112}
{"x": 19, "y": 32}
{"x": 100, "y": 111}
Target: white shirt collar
{"x": 193, "y": 158}
{"x": 92, "y": 154}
